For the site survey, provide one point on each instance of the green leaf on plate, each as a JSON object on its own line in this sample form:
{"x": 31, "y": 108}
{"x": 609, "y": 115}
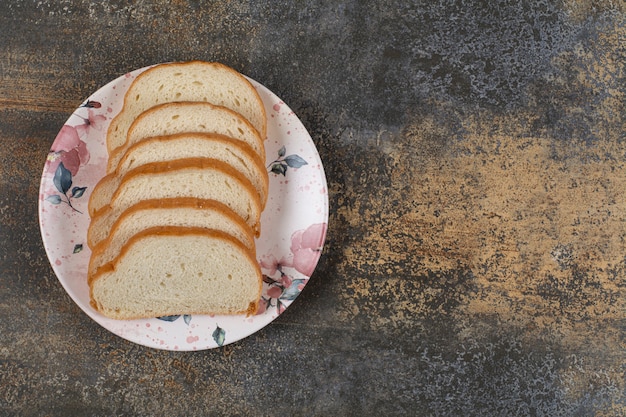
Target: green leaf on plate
{"x": 279, "y": 168}
{"x": 219, "y": 335}
{"x": 62, "y": 178}
{"x": 78, "y": 191}
{"x": 293, "y": 291}
{"x": 295, "y": 161}
{"x": 169, "y": 318}
{"x": 54, "y": 199}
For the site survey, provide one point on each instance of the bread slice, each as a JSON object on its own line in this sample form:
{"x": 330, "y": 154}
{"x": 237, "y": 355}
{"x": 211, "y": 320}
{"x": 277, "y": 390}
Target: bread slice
{"x": 187, "y": 212}
{"x": 179, "y": 146}
{"x": 201, "y": 178}
{"x": 171, "y": 118}
{"x": 188, "y": 81}
{"x": 172, "y": 270}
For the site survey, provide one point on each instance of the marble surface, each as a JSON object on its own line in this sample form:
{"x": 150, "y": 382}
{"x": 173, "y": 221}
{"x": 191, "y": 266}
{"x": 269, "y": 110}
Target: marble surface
{"x": 475, "y": 261}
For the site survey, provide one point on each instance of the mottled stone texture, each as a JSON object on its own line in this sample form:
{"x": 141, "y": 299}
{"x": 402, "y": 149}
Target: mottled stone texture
{"x": 476, "y": 162}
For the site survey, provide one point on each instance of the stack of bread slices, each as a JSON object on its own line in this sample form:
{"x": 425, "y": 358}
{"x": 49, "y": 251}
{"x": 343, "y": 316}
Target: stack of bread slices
{"x": 174, "y": 220}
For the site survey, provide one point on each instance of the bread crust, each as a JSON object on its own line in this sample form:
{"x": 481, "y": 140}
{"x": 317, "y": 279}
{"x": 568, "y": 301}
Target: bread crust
{"x": 180, "y": 97}
{"x": 169, "y": 204}
{"x": 156, "y": 168}
{"x": 242, "y": 149}
{"x": 241, "y": 146}
{"x": 180, "y": 231}
{"x": 116, "y": 154}
{"x": 184, "y": 66}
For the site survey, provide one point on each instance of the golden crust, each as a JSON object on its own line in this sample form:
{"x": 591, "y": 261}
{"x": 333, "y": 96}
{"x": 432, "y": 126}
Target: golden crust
{"x": 166, "y": 204}
{"x": 184, "y": 66}
{"x": 181, "y": 231}
{"x": 117, "y": 153}
{"x": 190, "y": 164}
{"x": 242, "y": 147}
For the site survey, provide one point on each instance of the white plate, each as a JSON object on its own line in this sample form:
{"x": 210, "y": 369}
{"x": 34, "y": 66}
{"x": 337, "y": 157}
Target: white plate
{"x": 293, "y": 225}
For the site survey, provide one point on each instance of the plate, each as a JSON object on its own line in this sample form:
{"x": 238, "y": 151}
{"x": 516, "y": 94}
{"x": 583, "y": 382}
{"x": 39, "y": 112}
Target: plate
{"x": 293, "y": 224}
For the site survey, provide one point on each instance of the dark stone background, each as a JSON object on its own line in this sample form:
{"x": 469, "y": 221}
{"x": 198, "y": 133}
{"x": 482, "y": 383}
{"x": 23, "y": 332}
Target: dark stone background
{"x": 475, "y": 262}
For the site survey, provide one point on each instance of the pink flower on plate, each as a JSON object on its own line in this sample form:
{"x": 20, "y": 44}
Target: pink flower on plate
{"x": 269, "y": 263}
{"x": 306, "y": 247}
{"x": 274, "y": 292}
{"x": 305, "y": 250}
{"x": 263, "y": 304}
{"x": 286, "y": 281}
{"x": 93, "y": 120}
{"x": 69, "y": 149}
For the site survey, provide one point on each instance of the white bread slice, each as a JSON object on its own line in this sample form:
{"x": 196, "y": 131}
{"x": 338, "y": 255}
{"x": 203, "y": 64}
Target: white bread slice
{"x": 188, "y": 81}
{"x": 179, "y": 146}
{"x": 172, "y": 270}
{"x": 201, "y": 178}
{"x": 187, "y": 212}
{"x": 205, "y": 178}
{"x": 171, "y": 118}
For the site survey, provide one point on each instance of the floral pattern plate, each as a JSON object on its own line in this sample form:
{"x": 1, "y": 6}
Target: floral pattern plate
{"x": 293, "y": 225}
